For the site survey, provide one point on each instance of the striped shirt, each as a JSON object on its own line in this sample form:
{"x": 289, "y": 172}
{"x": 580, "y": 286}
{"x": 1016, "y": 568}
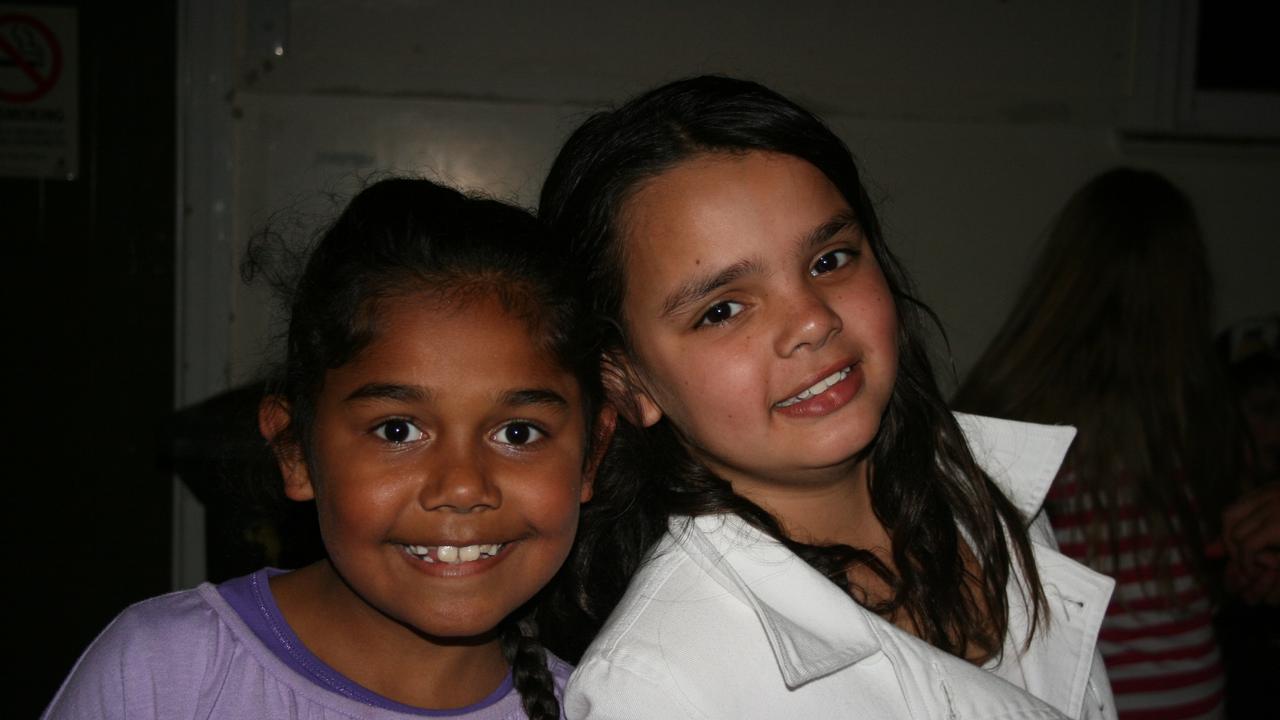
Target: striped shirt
{"x": 1162, "y": 655}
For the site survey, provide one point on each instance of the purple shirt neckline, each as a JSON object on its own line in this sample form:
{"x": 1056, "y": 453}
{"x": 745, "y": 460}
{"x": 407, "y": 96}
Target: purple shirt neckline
{"x": 250, "y": 596}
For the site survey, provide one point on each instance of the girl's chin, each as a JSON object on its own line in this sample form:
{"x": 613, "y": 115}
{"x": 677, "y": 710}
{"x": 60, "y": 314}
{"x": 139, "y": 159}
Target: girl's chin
{"x": 834, "y": 448}
{"x": 463, "y": 633}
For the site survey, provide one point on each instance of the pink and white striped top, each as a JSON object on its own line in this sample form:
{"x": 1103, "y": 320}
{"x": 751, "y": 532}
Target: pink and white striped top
{"x": 1161, "y": 653}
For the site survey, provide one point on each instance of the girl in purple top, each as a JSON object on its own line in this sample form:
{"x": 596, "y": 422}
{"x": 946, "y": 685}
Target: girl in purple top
{"x": 440, "y": 405}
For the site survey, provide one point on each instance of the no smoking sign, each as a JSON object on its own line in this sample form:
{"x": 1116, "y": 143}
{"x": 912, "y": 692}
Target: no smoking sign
{"x": 39, "y": 123}
{"x": 30, "y": 58}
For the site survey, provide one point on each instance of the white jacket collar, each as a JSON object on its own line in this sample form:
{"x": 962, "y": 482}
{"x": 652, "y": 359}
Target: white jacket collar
{"x": 1022, "y": 458}
{"x": 812, "y": 625}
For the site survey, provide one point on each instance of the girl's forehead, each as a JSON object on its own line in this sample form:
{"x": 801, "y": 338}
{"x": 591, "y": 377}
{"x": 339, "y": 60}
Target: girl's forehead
{"x": 493, "y": 298}
{"x": 466, "y": 366}
{"x": 707, "y": 181}
{"x": 429, "y": 331}
{"x": 717, "y": 203}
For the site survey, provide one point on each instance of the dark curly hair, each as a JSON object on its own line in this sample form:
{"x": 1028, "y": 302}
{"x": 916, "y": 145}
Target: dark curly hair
{"x": 926, "y": 488}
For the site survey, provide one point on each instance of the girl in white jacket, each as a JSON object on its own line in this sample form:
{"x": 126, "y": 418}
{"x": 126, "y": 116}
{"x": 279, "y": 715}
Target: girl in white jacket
{"x": 790, "y": 521}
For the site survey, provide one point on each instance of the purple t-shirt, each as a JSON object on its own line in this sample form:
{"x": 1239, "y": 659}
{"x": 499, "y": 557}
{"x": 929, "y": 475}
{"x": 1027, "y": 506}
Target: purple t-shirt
{"x": 227, "y": 652}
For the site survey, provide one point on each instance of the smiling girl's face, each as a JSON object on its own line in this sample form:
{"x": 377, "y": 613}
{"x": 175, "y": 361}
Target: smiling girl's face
{"x": 761, "y": 324}
{"x": 447, "y": 467}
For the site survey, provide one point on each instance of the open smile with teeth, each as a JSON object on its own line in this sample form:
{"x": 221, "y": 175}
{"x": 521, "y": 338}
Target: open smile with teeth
{"x": 817, "y": 388}
{"x": 453, "y": 554}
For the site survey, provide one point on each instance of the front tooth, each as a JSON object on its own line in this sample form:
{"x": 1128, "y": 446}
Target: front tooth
{"x": 469, "y": 553}
{"x": 447, "y": 553}
{"x": 817, "y": 388}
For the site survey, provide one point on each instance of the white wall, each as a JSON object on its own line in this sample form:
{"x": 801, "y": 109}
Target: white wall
{"x": 974, "y": 121}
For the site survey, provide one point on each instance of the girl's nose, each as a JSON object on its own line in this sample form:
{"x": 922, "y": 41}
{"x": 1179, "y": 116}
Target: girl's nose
{"x": 459, "y": 482}
{"x": 807, "y": 321}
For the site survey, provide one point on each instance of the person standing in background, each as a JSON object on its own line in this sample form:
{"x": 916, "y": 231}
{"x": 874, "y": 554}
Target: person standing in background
{"x": 1112, "y": 334}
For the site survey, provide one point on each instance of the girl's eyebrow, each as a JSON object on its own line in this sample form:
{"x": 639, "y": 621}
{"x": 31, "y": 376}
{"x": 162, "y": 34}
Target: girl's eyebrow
{"x": 820, "y": 235}
{"x": 699, "y": 287}
{"x": 389, "y": 391}
{"x": 534, "y": 396}
{"x": 415, "y": 393}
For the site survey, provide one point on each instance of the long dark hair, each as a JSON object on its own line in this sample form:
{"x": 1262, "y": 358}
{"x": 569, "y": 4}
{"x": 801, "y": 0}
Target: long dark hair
{"x": 1112, "y": 334}
{"x": 926, "y": 488}
{"x": 404, "y": 235}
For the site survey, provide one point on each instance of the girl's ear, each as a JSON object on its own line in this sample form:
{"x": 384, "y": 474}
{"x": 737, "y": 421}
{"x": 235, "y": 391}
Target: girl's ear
{"x": 626, "y": 392}
{"x": 273, "y": 419}
{"x": 605, "y": 424}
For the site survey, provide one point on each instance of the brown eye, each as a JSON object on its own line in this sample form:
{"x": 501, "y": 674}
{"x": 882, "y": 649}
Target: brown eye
{"x": 398, "y": 431}
{"x": 830, "y": 261}
{"x": 519, "y": 433}
{"x": 720, "y": 312}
